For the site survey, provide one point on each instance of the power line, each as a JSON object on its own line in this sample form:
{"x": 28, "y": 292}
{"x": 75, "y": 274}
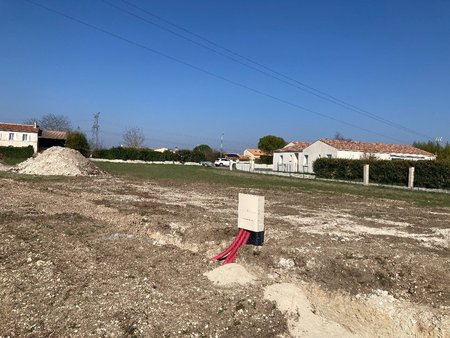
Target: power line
{"x": 235, "y": 83}
{"x": 280, "y": 76}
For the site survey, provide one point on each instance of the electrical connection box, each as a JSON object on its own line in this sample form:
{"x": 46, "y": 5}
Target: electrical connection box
{"x": 251, "y": 212}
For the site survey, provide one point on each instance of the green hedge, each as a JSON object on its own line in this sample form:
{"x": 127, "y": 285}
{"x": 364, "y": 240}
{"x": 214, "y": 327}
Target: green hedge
{"x": 17, "y": 152}
{"x": 145, "y": 154}
{"x": 428, "y": 174}
{"x": 266, "y": 159}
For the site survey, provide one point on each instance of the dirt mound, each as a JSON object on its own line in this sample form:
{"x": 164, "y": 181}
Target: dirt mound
{"x": 59, "y": 161}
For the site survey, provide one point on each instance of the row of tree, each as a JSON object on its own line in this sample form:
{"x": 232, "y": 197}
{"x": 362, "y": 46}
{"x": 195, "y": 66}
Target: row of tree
{"x": 442, "y": 152}
{"x": 135, "y": 138}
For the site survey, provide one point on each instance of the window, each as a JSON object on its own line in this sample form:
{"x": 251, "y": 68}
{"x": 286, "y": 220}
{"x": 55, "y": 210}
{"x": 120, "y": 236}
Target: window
{"x": 329, "y": 156}
{"x": 11, "y": 136}
{"x": 25, "y": 137}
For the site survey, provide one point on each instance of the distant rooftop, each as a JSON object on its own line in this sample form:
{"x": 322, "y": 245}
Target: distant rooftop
{"x": 371, "y": 147}
{"x": 14, "y": 127}
{"x": 294, "y": 146}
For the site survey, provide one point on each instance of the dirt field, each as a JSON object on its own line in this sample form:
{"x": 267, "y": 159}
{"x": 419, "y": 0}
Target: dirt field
{"x": 118, "y": 257}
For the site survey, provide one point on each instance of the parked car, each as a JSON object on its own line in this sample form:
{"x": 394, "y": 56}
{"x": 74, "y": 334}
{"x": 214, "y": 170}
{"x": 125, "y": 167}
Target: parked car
{"x": 206, "y": 163}
{"x": 222, "y": 162}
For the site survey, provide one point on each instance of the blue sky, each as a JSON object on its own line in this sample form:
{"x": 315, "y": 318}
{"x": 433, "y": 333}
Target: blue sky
{"x": 389, "y": 58}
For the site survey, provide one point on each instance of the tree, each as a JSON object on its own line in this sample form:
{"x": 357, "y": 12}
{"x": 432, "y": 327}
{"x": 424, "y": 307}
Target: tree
{"x": 202, "y": 148}
{"x": 133, "y": 138}
{"x": 339, "y": 136}
{"x": 205, "y": 152}
{"x": 52, "y": 122}
{"x": 78, "y": 141}
{"x": 442, "y": 152}
{"x": 270, "y": 143}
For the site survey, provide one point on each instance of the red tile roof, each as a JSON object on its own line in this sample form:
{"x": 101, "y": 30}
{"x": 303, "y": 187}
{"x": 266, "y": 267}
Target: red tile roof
{"x": 256, "y": 152}
{"x": 371, "y": 147}
{"x": 294, "y": 146}
{"x": 24, "y": 128}
{"x": 53, "y": 134}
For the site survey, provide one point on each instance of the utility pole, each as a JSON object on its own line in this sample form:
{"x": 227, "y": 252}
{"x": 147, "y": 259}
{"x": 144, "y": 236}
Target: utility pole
{"x": 221, "y": 145}
{"x": 95, "y": 128}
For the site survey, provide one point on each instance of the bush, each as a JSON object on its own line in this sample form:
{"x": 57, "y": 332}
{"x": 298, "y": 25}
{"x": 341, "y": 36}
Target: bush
{"x": 142, "y": 154}
{"x": 17, "y": 152}
{"x": 431, "y": 174}
{"x": 428, "y": 174}
{"x": 266, "y": 159}
{"x": 78, "y": 141}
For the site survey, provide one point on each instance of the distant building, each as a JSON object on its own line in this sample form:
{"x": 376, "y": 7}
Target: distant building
{"x": 161, "y": 150}
{"x": 51, "y": 138}
{"x": 19, "y": 135}
{"x": 233, "y": 156}
{"x": 24, "y": 135}
{"x": 290, "y": 157}
{"x": 253, "y": 154}
{"x": 331, "y": 148}
{"x": 300, "y": 156}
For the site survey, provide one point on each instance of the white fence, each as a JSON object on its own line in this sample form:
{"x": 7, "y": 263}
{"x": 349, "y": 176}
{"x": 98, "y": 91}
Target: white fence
{"x": 247, "y": 166}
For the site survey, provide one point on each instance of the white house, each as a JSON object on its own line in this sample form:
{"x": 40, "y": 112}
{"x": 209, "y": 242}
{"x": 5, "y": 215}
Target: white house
{"x": 19, "y": 135}
{"x": 253, "y": 154}
{"x": 289, "y": 158}
{"x": 331, "y": 148}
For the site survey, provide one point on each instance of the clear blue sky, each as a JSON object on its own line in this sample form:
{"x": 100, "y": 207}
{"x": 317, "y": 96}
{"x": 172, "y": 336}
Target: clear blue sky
{"x": 390, "y": 58}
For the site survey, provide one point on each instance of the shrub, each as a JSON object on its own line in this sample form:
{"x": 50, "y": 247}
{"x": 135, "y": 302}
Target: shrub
{"x": 78, "y": 141}
{"x": 143, "y": 154}
{"x": 266, "y": 159}
{"x": 17, "y": 152}
{"x": 428, "y": 174}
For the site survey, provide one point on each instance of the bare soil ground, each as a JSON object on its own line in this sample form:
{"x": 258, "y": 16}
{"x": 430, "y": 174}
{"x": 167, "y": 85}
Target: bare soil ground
{"x": 121, "y": 257}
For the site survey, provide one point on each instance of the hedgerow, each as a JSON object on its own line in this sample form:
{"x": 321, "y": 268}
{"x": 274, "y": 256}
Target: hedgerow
{"x": 146, "y": 154}
{"x": 428, "y": 174}
{"x": 17, "y": 152}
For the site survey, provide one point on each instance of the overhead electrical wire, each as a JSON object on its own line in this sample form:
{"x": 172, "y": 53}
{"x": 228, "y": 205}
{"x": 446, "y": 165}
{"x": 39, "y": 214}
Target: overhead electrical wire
{"x": 212, "y": 74}
{"x": 279, "y": 76}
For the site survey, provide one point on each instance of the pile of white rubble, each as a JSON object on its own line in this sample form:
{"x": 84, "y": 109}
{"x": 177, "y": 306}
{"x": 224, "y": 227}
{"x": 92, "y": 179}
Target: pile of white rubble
{"x": 59, "y": 161}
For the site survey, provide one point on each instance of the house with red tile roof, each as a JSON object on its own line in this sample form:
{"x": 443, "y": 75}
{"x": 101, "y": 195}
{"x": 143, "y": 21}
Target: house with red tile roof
{"x": 290, "y": 157}
{"x": 253, "y": 154}
{"x": 24, "y": 135}
{"x": 347, "y": 149}
{"x": 19, "y": 135}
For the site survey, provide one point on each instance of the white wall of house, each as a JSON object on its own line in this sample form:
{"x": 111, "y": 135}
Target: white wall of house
{"x": 320, "y": 149}
{"x": 411, "y": 157}
{"x": 314, "y": 151}
{"x": 18, "y": 139}
{"x": 357, "y": 155}
{"x": 287, "y": 161}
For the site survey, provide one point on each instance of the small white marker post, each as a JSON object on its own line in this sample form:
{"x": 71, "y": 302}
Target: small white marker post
{"x": 366, "y": 174}
{"x": 250, "y": 224}
{"x": 411, "y": 178}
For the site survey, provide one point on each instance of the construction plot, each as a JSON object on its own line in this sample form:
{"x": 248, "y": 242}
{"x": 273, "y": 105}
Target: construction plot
{"x": 109, "y": 256}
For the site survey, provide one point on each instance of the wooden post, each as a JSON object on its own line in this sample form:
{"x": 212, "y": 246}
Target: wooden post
{"x": 411, "y": 178}
{"x": 366, "y": 174}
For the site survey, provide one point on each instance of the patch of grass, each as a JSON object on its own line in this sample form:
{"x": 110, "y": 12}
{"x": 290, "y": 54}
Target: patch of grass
{"x": 13, "y": 161}
{"x": 35, "y": 178}
{"x": 225, "y": 178}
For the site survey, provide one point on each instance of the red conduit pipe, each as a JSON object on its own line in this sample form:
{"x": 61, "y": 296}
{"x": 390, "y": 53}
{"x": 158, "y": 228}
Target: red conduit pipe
{"x": 227, "y": 251}
{"x": 243, "y": 241}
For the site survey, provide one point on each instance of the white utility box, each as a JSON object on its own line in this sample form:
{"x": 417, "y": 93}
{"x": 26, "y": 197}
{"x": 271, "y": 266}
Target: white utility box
{"x": 251, "y": 212}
